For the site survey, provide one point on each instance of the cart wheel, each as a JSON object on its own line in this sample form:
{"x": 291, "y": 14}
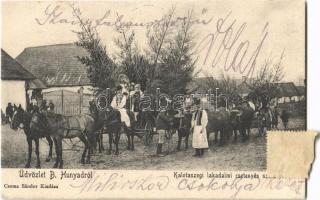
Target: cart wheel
{"x": 149, "y": 134}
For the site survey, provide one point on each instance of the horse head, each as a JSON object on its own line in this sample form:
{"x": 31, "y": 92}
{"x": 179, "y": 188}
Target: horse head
{"x": 17, "y": 119}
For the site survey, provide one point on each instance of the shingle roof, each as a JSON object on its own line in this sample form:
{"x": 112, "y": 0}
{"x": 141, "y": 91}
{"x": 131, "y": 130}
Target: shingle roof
{"x": 287, "y": 89}
{"x": 56, "y": 65}
{"x": 12, "y": 70}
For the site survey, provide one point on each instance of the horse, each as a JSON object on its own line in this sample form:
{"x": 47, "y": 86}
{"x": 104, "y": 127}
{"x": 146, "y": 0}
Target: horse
{"x": 22, "y": 117}
{"x": 182, "y": 124}
{"x": 241, "y": 119}
{"x": 59, "y": 127}
{"x": 113, "y": 126}
{"x": 219, "y": 122}
{"x": 268, "y": 119}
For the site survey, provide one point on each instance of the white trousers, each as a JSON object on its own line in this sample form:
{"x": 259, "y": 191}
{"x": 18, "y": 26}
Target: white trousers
{"x": 124, "y": 116}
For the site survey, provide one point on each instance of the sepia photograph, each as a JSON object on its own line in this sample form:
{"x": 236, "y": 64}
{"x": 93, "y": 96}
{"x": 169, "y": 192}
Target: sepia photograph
{"x": 149, "y": 85}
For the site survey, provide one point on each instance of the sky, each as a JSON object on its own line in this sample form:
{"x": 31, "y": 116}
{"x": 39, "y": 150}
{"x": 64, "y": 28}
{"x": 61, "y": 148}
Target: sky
{"x": 231, "y": 37}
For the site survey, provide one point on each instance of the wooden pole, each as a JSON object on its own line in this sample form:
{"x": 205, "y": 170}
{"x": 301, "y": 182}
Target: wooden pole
{"x": 62, "y": 109}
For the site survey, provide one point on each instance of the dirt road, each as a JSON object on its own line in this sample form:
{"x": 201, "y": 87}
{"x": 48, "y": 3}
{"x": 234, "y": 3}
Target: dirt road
{"x": 249, "y": 155}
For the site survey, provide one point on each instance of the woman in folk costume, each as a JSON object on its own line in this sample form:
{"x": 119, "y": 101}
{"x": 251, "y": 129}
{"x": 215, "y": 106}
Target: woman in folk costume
{"x": 199, "y": 124}
{"x": 119, "y": 103}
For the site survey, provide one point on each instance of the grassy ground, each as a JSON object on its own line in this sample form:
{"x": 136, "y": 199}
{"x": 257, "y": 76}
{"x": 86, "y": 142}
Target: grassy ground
{"x": 250, "y": 155}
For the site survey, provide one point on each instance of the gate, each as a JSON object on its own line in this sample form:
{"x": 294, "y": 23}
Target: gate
{"x": 68, "y": 103}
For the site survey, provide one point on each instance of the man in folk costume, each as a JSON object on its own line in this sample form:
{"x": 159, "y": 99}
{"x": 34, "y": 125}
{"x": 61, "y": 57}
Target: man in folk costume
{"x": 162, "y": 124}
{"x": 136, "y": 95}
{"x": 119, "y": 103}
{"x": 199, "y": 124}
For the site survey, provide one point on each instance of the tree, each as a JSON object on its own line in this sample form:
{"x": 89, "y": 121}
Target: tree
{"x": 264, "y": 86}
{"x": 101, "y": 71}
{"x": 171, "y": 46}
{"x": 227, "y": 87}
{"x": 131, "y": 62}
{"x": 178, "y": 58}
{"x": 159, "y": 37}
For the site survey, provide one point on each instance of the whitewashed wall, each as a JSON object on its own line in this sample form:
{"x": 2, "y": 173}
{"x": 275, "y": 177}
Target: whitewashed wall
{"x": 13, "y": 91}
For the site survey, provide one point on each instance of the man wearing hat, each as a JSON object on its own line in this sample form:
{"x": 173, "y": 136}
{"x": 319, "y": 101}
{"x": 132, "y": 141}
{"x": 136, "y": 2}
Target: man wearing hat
{"x": 162, "y": 124}
{"x": 199, "y": 124}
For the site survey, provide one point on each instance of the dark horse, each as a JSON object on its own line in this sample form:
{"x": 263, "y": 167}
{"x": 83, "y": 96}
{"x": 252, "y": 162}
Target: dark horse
{"x": 219, "y": 122}
{"x": 58, "y": 126}
{"x": 242, "y": 117}
{"x": 24, "y": 118}
{"x": 113, "y": 127}
{"x": 182, "y": 123}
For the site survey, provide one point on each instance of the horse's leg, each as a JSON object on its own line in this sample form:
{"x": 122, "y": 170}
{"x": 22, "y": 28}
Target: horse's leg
{"x": 101, "y": 140}
{"x": 128, "y": 136}
{"x": 117, "y": 138}
{"x": 186, "y": 139}
{"x": 243, "y": 133}
{"x": 179, "y": 141}
{"x": 235, "y": 133}
{"x": 50, "y": 142}
{"x": 57, "y": 153}
{"x": 37, "y": 152}
{"x": 99, "y": 143}
{"x": 29, "y": 140}
{"x": 83, "y": 139}
{"x": 60, "y": 151}
{"x": 222, "y": 137}
{"x": 110, "y": 142}
{"x": 132, "y": 138}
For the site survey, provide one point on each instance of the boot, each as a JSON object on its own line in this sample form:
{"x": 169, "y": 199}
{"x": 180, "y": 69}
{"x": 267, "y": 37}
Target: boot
{"x": 201, "y": 152}
{"x": 159, "y": 149}
{"x": 197, "y": 153}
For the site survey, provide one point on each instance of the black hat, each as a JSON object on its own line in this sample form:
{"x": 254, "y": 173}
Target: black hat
{"x": 196, "y": 102}
{"x": 119, "y": 87}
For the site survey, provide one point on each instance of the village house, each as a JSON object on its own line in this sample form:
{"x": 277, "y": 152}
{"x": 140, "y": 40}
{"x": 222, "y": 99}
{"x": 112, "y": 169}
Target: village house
{"x": 302, "y": 93}
{"x": 287, "y": 92}
{"x": 15, "y": 81}
{"x": 65, "y": 77}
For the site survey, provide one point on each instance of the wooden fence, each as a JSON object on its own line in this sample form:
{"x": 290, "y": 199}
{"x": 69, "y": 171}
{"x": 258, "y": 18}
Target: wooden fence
{"x": 68, "y": 103}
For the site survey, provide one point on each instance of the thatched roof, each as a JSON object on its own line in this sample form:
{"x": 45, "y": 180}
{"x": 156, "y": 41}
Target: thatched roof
{"x": 12, "y": 70}
{"x": 301, "y": 90}
{"x": 36, "y": 84}
{"x": 287, "y": 89}
{"x": 56, "y": 65}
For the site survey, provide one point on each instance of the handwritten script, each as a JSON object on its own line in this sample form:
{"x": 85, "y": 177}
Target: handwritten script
{"x": 103, "y": 182}
{"x": 224, "y": 47}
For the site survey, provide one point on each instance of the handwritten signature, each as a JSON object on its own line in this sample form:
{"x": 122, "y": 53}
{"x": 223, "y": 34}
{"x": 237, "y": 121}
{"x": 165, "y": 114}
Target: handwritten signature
{"x": 235, "y": 186}
{"x": 226, "y": 50}
{"x": 117, "y": 181}
{"x": 224, "y": 47}
{"x": 55, "y": 15}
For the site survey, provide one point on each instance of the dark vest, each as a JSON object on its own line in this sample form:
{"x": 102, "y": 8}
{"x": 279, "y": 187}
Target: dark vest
{"x": 198, "y": 119}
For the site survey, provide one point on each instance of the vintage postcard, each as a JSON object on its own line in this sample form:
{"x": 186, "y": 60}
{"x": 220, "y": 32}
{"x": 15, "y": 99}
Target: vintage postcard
{"x": 198, "y": 99}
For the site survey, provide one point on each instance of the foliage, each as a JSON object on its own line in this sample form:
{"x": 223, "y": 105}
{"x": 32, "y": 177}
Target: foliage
{"x": 264, "y": 86}
{"x": 131, "y": 62}
{"x": 102, "y": 71}
{"x": 172, "y": 54}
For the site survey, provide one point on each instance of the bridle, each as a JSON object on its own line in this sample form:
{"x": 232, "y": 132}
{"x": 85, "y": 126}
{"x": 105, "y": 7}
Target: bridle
{"x": 13, "y": 120}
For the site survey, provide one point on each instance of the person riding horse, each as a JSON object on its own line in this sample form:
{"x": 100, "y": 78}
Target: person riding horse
{"x": 119, "y": 102}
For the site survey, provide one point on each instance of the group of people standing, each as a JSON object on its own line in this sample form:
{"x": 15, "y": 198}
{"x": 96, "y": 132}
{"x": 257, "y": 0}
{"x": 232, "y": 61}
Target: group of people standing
{"x": 199, "y": 123}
